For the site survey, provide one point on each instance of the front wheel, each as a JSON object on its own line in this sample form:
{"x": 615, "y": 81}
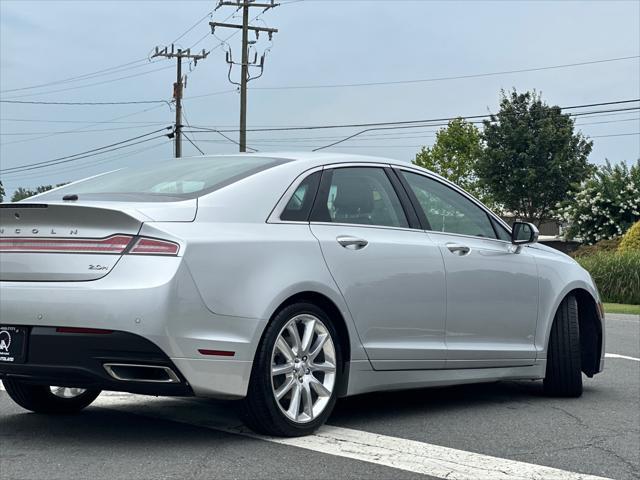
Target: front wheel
{"x": 294, "y": 381}
{"x": 45, "y": 399}
{"x": 564, "y": 372}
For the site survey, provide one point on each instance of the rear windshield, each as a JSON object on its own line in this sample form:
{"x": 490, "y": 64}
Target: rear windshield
{"x": 171, "y": 180}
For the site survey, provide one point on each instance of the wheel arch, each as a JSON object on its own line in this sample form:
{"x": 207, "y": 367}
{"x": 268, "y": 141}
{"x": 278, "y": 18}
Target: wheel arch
{"x": 591, "y": 329}
{"x": 340, "y": 323}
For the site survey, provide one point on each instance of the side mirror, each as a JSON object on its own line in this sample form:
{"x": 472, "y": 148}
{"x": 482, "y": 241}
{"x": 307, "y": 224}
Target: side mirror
{"x": 524, "y": 233}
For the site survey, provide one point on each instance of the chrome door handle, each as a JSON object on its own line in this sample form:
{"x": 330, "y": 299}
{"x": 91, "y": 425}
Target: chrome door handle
{"x": 458, "y": 249}
{"x": 352, "y": 243}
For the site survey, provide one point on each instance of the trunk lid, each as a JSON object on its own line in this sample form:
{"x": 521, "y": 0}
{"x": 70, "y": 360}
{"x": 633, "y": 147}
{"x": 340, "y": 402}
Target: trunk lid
{"x": 63, "y": 242}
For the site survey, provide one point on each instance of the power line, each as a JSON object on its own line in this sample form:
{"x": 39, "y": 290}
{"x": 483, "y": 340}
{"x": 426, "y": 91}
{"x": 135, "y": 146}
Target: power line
{"x": 192, "y": 143}
{"x": 91, "y": 163}
{"x": 108, "y": 70}
{"x": 89, "y": 155}
{"x": 114, "y": 69}
{"x": 92, "y": 84}
{"x": 490, "y": 116}
{"x": 89, "y": 125}
{"x": 186, "y": 121}
{"x": 54, "y": 161}
{"x": 443, "y": 119}
{"x": 63, "y": 132}
{"x": 447, "y": 78}
{"x": 193, "y": 26}
{"x": 616, "y": 135}
{"x": 78, "y": 77}
{"x": 392, "y": 145}
{"x": 376, "y": 127}
{"x": 379, "y": 136}
{"x": 133, "y": 102}
{"x": 295, "y": 139}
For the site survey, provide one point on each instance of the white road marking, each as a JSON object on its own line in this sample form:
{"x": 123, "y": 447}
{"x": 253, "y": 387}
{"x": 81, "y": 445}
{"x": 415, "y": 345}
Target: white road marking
{"x": 624, "y": 357}
{"x": 399, "y": 453}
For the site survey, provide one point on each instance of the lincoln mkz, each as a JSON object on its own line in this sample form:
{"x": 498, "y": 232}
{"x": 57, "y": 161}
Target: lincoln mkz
{"x": 285, "y": 281}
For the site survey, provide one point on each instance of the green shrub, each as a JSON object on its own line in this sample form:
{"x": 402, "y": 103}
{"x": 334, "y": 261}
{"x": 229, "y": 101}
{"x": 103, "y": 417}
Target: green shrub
{"x": 610, "y": 245}
{"x": 631, "y": 239}
{"x": 605, "y": 206}
{"x": 617, "y": 275}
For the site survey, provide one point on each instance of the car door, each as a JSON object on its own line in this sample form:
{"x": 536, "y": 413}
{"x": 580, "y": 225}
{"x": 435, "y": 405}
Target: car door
{"x": 390, "y": 274}
{"x": 492, "y": 286}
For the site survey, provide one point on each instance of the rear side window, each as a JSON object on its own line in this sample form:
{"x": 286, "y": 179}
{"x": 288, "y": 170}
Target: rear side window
{"x": 300, "y": 203}
{"x": 171, "y": 180}
{"x": 359, "y": 195}
{"x": 447, "y": 210}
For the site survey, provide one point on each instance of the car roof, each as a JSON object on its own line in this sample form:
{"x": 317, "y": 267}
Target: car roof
{"x": 312, "y": 159}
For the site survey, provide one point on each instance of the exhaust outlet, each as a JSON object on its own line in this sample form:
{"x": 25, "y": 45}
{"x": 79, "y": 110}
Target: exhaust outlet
{"x": 128, "y": 372}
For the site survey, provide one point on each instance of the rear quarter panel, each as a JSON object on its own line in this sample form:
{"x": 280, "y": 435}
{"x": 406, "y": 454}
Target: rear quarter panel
{"x": 248, "y": 270}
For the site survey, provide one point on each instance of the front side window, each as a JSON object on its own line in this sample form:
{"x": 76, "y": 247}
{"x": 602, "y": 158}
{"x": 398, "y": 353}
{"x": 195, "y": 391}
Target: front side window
{"x": 447, "y": 210}
{"x": 503, "y": 233}
{"x": 360, "y": 195}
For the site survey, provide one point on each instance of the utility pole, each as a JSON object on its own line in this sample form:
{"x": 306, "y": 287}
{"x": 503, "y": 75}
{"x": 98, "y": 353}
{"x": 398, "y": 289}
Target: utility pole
{"x": 179, "y": 85}
{"x": 245, "y": 77}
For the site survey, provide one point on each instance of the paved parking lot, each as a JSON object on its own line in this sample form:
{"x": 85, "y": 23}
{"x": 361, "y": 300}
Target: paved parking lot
{"x": 494, "y": 431}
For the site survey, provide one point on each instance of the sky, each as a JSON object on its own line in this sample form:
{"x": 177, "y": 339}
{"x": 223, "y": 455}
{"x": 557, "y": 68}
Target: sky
{"x": 319, "y": 43}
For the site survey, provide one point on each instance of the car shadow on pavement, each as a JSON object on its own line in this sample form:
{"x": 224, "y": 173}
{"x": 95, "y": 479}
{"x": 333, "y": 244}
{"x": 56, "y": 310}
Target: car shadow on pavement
{"x": 104, "y": 426}
{"x": 438, "y": 399}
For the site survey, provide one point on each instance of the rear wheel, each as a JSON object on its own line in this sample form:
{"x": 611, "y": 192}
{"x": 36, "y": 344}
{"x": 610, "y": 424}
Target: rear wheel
{"x": 45, "y": 399}
{"x": 294, "y": 381}
{"x": 564, "y": 372}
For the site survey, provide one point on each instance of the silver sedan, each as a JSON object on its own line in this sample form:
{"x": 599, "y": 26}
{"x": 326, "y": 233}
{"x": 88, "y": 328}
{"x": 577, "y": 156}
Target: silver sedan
{"x": 285, "y": 281}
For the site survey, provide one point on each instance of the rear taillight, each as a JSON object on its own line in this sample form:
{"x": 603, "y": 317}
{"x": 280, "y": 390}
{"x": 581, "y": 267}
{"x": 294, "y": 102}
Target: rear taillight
{"x": 114, "y": 244}
{"x": 154, "y": 246}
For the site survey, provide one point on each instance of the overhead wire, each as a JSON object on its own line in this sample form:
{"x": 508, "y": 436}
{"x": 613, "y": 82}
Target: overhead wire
{"x": 408, "y": 123}
{"x": 64, "y": 159}
{"x": 106, "y": 71}
{"x": 131, "y": 102}
{"x": 186, "y": 121}
{"x": 75, "y": 78}
{"x": 90, "y": 163}
{"x": 120, "y": 117}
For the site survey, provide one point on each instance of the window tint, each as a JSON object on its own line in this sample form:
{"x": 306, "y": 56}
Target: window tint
{"x": 300, "y": 203}
{"x": 360, "y": 195}
{"x": 447, "y": 210}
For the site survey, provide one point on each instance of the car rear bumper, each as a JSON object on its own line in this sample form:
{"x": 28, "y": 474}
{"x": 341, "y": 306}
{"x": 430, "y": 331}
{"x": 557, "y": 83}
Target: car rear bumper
{"x": 154, "y": 299}
{"x": 77, "y": 359}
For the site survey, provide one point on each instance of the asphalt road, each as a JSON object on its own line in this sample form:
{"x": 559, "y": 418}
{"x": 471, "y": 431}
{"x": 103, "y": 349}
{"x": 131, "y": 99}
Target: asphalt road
{"x": 132, "y": 437}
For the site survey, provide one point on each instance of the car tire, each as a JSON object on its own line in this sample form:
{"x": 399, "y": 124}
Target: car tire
{"x": 40, "y": 398}
{"x": 261, "y": 410}
{"x": 563, "y": 375}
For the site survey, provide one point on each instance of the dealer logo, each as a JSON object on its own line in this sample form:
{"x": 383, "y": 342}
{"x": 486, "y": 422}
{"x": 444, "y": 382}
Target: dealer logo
{"x": 5, "y": 341}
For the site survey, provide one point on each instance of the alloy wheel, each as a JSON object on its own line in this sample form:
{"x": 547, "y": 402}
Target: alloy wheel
{"x": 303, "y": 368}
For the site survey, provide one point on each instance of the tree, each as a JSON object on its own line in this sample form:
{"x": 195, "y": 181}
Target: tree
{"x": 21, "y": 193}
{"x": 454, "y": 154}
{"x": 605, "y": 206}
{"x": 532, "y": 156}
